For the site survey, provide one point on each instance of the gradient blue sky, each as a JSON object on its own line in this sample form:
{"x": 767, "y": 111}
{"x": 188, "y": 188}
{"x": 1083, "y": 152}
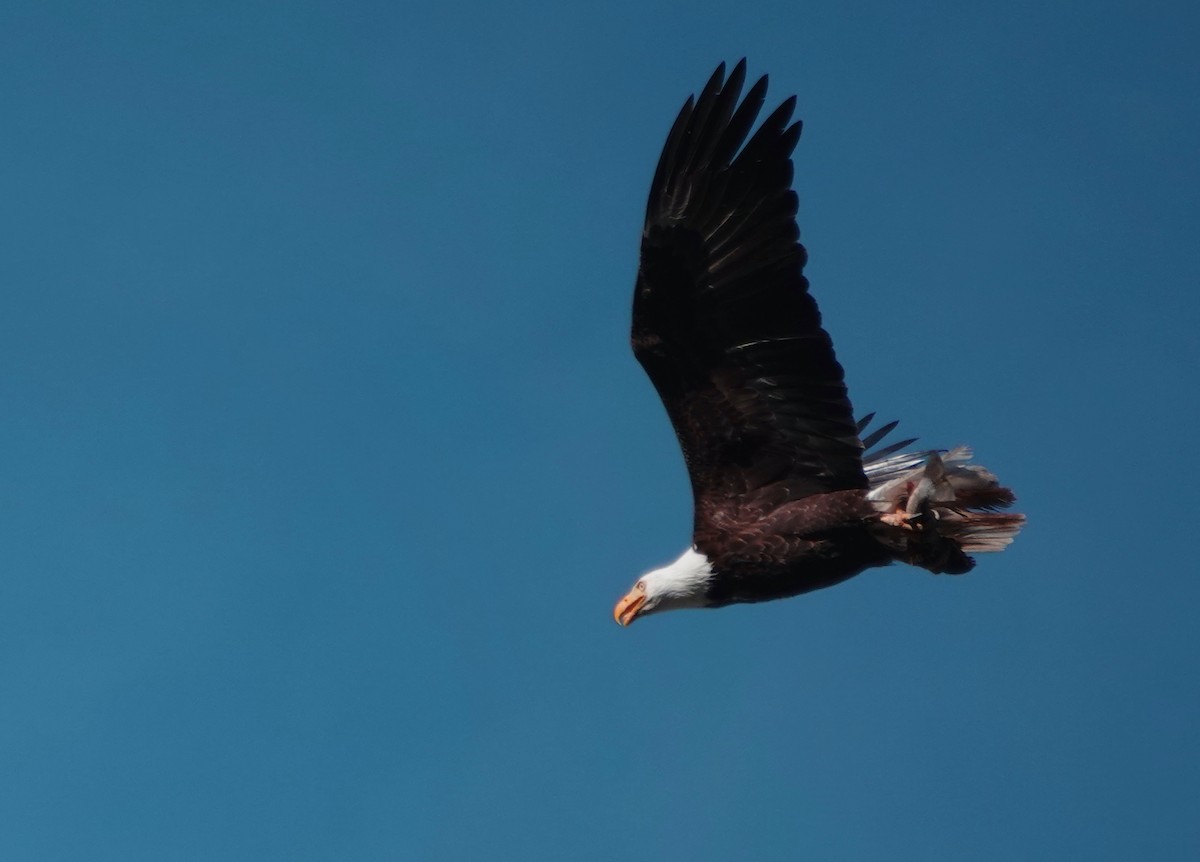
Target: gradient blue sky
{"x": 323, "y": 457}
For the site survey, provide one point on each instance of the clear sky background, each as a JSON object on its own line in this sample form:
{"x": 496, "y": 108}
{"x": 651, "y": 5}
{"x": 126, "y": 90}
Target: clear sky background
{"x": 323, "y": 457}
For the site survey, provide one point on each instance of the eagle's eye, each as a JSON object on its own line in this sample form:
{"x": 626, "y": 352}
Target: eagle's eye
{"x": 640, "y": 586}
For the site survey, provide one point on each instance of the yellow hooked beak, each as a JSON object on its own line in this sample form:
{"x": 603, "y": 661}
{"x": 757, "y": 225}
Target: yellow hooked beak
{"x": 627, "y": 609}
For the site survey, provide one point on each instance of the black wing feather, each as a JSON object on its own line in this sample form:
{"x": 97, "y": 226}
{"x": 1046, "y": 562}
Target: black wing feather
{"x": 722, "y": 319}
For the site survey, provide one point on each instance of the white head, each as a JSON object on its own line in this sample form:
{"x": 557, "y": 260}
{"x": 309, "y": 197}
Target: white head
{"x": 679, "y": 585}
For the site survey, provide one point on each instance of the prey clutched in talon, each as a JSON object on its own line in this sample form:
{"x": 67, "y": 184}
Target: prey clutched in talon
{"x": 899, "y": 518}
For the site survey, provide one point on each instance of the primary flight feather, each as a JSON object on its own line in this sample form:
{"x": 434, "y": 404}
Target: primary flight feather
{"x": 787, "y": 499}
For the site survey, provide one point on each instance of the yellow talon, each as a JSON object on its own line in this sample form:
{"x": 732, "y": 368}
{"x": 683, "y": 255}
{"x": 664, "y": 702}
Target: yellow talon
{"x": 899, "y": 518}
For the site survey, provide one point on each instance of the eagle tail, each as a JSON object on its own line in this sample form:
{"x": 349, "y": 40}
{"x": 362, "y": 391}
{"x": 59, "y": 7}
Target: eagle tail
{"x": 936, "y": 508}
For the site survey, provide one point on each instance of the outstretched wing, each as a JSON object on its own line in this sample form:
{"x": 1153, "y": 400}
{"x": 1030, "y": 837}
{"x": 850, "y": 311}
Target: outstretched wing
{"x": 722, "y": 319}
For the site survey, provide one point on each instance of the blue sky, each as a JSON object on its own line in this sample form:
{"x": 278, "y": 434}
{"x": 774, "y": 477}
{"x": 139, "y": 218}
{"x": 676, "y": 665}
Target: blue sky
{"x": 323, "y": 457}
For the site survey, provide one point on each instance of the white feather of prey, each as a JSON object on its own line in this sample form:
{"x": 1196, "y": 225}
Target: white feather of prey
{"x": 942, "y": 484}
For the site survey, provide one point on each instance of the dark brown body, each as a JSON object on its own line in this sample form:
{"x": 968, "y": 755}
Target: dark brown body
{"x": 801, "y": 546}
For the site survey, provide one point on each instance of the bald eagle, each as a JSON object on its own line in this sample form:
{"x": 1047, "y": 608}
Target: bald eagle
{"x": 788, "y": 496}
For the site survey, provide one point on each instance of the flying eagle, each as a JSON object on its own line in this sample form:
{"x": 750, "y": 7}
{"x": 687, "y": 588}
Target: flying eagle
{"x": 787, "y": 498}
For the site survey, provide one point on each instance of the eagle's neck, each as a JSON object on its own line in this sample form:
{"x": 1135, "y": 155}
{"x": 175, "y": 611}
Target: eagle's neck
{"x": 682, "y": 584}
